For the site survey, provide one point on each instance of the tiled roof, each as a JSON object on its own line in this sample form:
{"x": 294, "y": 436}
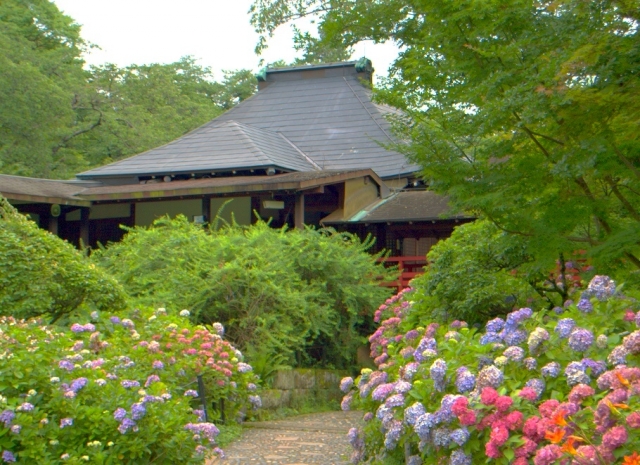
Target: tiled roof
{"x": 406, "y": 206}
{"x": 323, "y": 111}
{"x": 220, "y": 145}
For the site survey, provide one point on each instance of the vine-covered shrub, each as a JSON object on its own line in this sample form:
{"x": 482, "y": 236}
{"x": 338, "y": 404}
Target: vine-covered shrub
{"x": 41, "y": 274}
{"x": 560, "y": 386}
{"x": 304, "y": 295}
{"x": 116, "y": 390}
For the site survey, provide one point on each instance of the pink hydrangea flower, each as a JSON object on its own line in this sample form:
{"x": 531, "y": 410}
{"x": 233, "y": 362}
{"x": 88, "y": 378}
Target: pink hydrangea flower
{"x": 488, "y": 396}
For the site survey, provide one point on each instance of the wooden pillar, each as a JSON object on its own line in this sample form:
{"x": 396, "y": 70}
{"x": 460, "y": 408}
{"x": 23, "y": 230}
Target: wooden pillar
{"x": 132, "y": 215}
{"x": 206, "y": 209}
{"x": 53, "y": 224}
{"x": 298, "y": 212}
{"x": 84, "y": 227}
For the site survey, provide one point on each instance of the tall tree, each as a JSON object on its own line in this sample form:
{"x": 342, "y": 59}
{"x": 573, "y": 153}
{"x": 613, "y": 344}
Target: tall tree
{"x": 42, "y": 84}
{"x": 524, "y": 112}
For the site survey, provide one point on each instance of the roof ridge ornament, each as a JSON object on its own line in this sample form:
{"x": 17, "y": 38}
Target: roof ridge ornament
{"x": 364, "y": 65}
{"x": 262, "y": 75}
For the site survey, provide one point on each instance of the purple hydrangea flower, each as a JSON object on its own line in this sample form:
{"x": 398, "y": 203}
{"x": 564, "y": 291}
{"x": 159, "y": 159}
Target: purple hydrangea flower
{"x": 551, "y": 370}
{"x": 157, "y": 365}
{"x": 7, "y": 456}
{"x": 465, "y": 380}
{"x": 618, "y": 356}
{"x": 585, "y": 306}
{"x": 490, "y": 338}
{"x": 537, "y": 384}
{"x": 138, "y": 410}
{"x": 411, "y": 335}
{"x": 515, "y": 353}
{"x": 345, "y": 405}
{"x": 191, "y": 393}
{"x": 514, "y": 337}
{"x": 495, "y": 326}
{"x": 458, "y": 457}
{"x": 151, "y": 379}
{"x": 7, "y": 417}
{"x": 244, "y": 368}
{"x": 397, "y": 400}
{"x": 460, "y": 436}
{"x": 129, "y": 384}
{"x": 409, "y": 371}
{"x": 66, "y": 365}
{"x": 66, "y": 422}
{"x": 115, "y": 320}
{"x": 564, "y": 327}
{"x": 602, "y": 287}
{"x": 576, "y": 374}
{"x": 393, "y": 434}
{"x": 255, "y": 401}
{"x": 207, "y": 430}
{"x": 381, "y": 392}
{"x": 518, "y": 316}
{"x": 25, "y": 407}
{"x": 489, "y": 376}
{"x": 530, "y": 363}
{"x": 119, "y": 414}
{"x": 411, "y": 414}
{"x": 126, "y": 425}
{"x": 346, "y": 383}
{"x": 441, "y": 437}
{"x": 78, "y": 384}
{"x": 15, "y": 429}
{"x": 581, "y": 340}
{"x": 438, "y": 370}
{"x": 423, "y": 425}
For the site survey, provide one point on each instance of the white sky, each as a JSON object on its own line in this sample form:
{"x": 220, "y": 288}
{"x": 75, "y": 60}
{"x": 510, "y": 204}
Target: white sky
{"x": 216, "y": 32}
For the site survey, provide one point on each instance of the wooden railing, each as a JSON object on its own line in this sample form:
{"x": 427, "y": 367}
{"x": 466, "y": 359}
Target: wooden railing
{"x": 408, "y": 268}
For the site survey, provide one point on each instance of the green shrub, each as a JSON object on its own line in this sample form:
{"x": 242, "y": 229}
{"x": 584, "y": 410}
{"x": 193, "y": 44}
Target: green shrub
{"x": 305, "y": 295}
{"x": 41, "y": 274}
{"x": 545, "y": 387}
{"x": 472, "y": 275}
{"x": 115, "y": 391}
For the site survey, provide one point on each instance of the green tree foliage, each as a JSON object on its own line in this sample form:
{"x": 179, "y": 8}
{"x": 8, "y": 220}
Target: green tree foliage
{"x": 58, "y": 119}
{"x": 471, "y": 276}
{"x": 307, "y": 295}
{"x": 144, "y": 106}
{"x": 41, "y": 274}
{"x": 42, "y": 84}
{"x": 523, "y": 112}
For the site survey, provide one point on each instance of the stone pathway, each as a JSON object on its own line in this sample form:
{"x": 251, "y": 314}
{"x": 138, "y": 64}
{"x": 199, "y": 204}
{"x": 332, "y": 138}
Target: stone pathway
{"x": 314, "y": 439}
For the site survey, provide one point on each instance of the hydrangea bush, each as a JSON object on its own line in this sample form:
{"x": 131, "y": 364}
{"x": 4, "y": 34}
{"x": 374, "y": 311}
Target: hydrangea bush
{"x": 559, "y": 386}
{"x": 111, "y": 389}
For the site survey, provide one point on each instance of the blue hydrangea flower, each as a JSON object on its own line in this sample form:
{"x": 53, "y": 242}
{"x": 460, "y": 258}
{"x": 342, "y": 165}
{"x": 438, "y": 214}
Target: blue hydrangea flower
{"x": 441, "y": 437}
{"x": 458, "y": 457}
{"x": 460, "y": 436}
{"x": 393, "y": 434}
{"x": 530, "y": 363}
{"x": 602, "y": 287}
{"x": 438, "y": 371}
{"x": 597, "y": 367}
{"x": 618, "y": 356}
{"x": 465, "y": 380}
{"x": 138, "y": 410}
{"x": 489, "y": 376}
{"x": 515, "y": 353}
{"x": 396, "y": 400}
{"x": 564, "y": 327}
{"x": 537, "y": 385}
{"x": 551, "y": 370}
{"x": 514, "y": 337}
{"x": 423, "y": 425}
{"x": 119, "y": 414}
{"x": 490, "y": 338}
{"x": 585, "y": 306}
{"x": 495, "y": 325}
{"x": 581, "y": 340}
{"x": 576, "y": 374}
{"x": 412, "y": 413}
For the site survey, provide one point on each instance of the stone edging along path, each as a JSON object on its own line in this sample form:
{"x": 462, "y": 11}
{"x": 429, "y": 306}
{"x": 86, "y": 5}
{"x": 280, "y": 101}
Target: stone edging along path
{"x": 313, "y": 439}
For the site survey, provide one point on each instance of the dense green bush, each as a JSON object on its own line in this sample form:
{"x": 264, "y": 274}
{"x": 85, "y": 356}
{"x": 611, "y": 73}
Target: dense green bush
{"x": 545, "y": 387}
{"x": 481, "y": 272}
{"x": 112, "y": 390}
{"x": 41, "y": 274}
{"x": 305, "y": 295}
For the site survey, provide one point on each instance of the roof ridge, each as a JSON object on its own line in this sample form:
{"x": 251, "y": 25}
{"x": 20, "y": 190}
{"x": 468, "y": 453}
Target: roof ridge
{"x": 302, "y": 154}
{"x": 367, "y": 110}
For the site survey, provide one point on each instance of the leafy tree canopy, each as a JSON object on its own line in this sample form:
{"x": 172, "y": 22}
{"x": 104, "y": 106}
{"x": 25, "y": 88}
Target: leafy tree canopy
{"x": 523, "y": 112}
{"x": 58, "y": 118}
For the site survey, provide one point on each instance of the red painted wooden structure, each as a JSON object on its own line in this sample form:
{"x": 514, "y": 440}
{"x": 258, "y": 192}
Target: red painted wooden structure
{"x": 408, "y": 268}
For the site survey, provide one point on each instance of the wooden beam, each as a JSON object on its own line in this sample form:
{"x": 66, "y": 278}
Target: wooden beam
{"x": 298, "y": 214}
